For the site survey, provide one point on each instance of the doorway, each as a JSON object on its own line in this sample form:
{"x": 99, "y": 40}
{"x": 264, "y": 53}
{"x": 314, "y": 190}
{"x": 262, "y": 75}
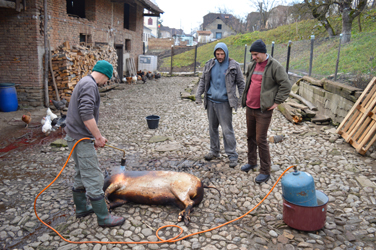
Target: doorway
{"x": 119, "y": 51}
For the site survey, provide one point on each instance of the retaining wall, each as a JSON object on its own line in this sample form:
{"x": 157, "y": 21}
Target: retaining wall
{"x": 332, "y": 99}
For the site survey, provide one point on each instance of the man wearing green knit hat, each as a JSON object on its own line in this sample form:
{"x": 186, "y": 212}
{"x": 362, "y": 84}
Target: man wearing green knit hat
{"x": 82, "y": 121}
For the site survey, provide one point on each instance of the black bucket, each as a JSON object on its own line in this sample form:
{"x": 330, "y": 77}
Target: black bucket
{"x": 153, "y": 121}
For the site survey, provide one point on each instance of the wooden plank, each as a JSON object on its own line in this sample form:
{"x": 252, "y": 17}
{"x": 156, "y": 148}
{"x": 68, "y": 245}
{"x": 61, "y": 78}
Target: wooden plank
{"x": 369, "y": 86}
{"x": 360, "y": 129}
{"x": 367, "y": 138}
{"x": 363, "y": 117}
{"x": 366, "y": 126}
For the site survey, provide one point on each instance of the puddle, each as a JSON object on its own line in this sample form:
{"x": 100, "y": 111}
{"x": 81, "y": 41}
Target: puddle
{"x": 23, "y": 140}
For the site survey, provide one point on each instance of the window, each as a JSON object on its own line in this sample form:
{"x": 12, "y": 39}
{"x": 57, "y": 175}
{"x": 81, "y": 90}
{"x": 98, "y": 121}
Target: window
{"x": 219, "y": 26}
{"x": 85, "y": 39}
{"x": 130, "y": 17}
{"x": 218, "y": 35}
{"x": 150, "y": 21}
{"x": 76, "y": 8}
{"x": 127, "y": 45}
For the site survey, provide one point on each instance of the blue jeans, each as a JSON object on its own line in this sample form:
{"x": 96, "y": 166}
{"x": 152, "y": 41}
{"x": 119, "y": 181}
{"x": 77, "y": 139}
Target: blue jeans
{"x": 88, "y": 174}
{"x": 221, "y": 114}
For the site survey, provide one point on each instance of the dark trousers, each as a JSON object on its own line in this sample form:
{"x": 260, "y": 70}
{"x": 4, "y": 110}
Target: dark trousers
{"x": 257, "y": 129}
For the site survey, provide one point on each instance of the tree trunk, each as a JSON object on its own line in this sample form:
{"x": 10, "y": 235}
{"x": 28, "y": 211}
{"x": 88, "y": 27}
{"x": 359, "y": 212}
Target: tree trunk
{"x": 348, "y": 16}
{"x": 359, "y": 24}
{"x": 347, "y": 20}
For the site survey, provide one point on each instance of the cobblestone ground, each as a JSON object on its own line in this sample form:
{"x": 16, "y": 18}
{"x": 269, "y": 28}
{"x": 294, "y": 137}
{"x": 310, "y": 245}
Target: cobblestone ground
{"x": 345, "y": 176}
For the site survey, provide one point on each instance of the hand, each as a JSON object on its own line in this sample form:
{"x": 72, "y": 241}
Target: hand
{"x": 100, "y": 142}
{"x": 273, "y": 107}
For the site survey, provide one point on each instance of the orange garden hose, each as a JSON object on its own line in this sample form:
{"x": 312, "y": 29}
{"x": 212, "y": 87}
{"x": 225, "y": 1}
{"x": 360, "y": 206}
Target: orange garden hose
{"x": 171, "y": 240}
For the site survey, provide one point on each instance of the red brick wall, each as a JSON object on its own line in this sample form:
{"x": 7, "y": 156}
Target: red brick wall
{"x": 160, "y": 44}
{"x": 22, "y": 39}
{"x": 20, "y": 61}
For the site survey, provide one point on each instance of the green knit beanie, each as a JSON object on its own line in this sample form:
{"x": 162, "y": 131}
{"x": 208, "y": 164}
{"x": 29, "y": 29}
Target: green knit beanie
{"x": 104, "y": 67}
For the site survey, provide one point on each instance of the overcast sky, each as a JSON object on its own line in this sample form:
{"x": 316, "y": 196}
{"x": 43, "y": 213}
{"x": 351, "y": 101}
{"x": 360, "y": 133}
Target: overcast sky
{"x": 188, "y": 14}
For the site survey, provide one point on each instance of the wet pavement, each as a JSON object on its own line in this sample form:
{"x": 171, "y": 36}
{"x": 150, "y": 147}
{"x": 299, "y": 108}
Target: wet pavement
{"x": 346, "y": 177}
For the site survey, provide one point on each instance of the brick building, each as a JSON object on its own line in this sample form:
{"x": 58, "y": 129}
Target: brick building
{"x": 118, "y": 23}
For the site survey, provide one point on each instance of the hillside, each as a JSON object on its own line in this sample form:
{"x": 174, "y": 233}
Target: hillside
{"x": 356, "y": 57}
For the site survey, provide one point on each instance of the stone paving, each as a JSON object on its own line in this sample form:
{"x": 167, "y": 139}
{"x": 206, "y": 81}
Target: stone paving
{"x": 345, "y": 176}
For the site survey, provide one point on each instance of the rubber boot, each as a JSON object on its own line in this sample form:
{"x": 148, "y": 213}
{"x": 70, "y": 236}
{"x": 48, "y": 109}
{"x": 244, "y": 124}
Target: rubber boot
{"x": 104, "y": 218}
{"x": 79, "y": 198}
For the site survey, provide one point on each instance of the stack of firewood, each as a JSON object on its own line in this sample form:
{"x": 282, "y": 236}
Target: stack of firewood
{"x": 69, "y": 65}
{"x": 296, "y": 109}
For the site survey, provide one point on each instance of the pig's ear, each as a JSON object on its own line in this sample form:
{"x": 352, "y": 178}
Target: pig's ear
{"x": 106, "y": 173}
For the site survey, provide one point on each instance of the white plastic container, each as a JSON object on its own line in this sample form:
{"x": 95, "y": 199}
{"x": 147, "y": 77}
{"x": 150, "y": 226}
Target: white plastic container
{"x": 147, "y": 63}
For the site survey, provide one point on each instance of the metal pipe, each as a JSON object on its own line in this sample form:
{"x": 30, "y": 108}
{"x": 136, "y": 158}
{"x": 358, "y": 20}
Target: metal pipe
{"x": 172, "y": 55}
{"x": 106, "y": 145}
{"x": 311, "y": 55}
{"x": 272, "y": 53}
{"x": 339, "y": 50}
{"x": 245, "y": 58}
{"x": 194, "y": 70}
{"x": 288, "y": 57}
{"x": 46, "y": 99}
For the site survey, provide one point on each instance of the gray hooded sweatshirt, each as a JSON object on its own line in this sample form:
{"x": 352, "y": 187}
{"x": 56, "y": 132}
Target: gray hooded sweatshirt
{"x": 217, "y": 91}
{"x": 234, "y": 82}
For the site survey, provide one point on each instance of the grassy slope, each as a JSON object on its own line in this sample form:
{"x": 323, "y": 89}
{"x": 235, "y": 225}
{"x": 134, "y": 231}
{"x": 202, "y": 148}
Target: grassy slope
{"x": 357, "y": 56}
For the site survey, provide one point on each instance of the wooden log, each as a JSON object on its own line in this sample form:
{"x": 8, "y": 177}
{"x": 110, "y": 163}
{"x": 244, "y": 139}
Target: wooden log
{"x": 307, "y": 103}
{"x": 290, "y": 113}
{"x": 297, "y": 105}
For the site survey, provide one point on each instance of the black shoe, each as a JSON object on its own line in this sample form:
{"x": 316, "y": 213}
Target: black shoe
{"x": 211, "y": 156}
{"x": 262, "y": 178}
{"x": 233, "y": 162}
{"x": 247, "y": 167}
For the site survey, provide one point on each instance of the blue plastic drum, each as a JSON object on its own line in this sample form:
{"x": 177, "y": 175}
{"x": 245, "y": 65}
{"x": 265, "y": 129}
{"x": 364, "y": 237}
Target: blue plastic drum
{"x": 8, "y": 97}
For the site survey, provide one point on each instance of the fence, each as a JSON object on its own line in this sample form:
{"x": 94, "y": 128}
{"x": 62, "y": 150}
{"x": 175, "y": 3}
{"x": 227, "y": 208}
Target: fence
{"x": 327, "y": 57}
{"x": 349, "y": 63}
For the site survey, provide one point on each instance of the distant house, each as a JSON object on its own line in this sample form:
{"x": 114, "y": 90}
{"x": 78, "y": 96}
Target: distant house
{"x": 219, "y": 25}
{"x": 254, "y": 21}
{"x": 183, "y": 40}
{"x": 204, "y": 36}
{"x": 278, "y": 16}
{"x": 145, "y": 38}
{"x": 150, "y": 20}
{"x": 167, "y": 32}
{"x": 118, "y": 24}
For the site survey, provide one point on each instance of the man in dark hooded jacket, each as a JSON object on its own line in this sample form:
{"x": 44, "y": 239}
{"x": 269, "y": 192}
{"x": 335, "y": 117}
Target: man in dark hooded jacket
{"x": 220, "y": 79}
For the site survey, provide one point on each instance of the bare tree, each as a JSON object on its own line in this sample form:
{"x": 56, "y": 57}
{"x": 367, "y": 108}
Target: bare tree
{"x": 349, "y": 10}
{"x": 320, "y": 10}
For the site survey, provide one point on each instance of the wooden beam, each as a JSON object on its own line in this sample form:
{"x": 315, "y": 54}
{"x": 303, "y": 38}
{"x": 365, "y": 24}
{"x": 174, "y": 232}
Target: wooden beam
{"x": 152, "y": 14}
{"x": 307, "y": 103}
{"x": 10, "y": 5}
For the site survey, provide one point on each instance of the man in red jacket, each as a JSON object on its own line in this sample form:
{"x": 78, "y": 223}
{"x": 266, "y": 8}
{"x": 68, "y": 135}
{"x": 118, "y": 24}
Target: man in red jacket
{"x": 267, "y": 85}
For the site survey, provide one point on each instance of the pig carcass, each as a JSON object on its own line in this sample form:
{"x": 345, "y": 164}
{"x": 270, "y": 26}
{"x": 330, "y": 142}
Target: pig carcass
{"x": 155, "y": 188}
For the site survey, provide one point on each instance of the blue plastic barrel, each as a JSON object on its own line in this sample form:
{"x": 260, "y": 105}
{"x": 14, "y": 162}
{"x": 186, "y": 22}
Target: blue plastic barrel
{"x": 8, "y": 97}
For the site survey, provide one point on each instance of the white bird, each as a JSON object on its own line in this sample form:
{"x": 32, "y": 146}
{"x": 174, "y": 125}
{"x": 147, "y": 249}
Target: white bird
{"x": 47, "y": 127}
{"x": 52, "y": 115}
{"x": 134, "y": 79}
